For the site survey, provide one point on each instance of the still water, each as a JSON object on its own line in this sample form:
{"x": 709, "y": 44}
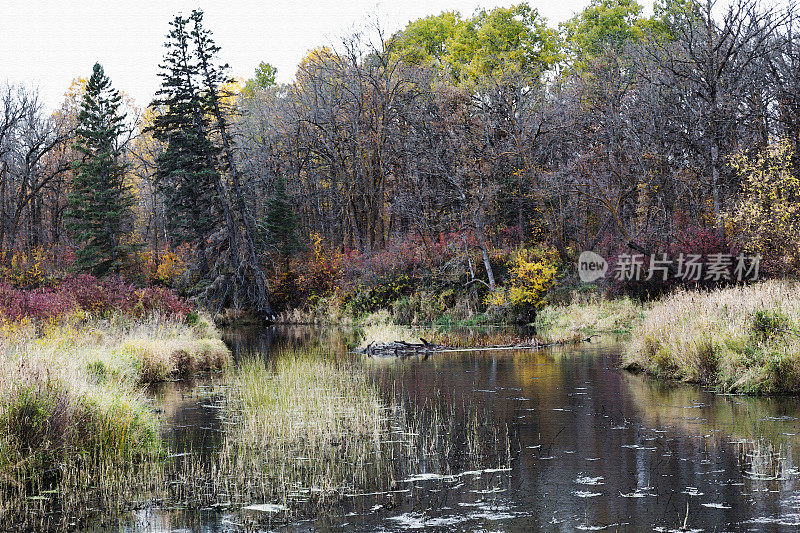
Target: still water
{"x": 589, "y": 448}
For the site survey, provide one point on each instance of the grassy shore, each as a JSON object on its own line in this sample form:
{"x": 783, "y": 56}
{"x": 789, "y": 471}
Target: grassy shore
{"x": 75, "y": 428}
{"x": 742, "y": 339}
{"x": 586, "y": 316}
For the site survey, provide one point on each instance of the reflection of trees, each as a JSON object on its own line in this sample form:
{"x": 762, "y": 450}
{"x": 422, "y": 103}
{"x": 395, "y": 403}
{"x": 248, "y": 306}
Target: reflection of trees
{"x": 260, "y": 341}
{"x": 761, "y": 431}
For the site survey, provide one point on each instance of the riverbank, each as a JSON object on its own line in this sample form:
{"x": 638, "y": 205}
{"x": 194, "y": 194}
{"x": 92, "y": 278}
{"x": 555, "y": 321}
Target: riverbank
{"x": 72, "y": 408}
{"x": 739, "y": 339}
{"x": 587, "y": 316}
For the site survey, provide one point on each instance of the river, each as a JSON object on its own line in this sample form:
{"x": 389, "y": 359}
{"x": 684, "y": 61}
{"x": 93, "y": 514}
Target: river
{"x": 589, "y": 447}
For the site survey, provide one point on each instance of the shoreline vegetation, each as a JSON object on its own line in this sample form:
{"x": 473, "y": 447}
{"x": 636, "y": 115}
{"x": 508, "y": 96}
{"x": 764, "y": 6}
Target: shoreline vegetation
{"x": 73, "y": 408}
{"x": 72, "y": 400}
{"x": 738, "y": 339}
{"x": 450, "y": 174}
{"x": 304, "y": 428}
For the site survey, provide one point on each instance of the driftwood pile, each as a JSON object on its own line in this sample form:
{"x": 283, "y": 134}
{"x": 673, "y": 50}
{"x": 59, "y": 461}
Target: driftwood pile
{"x": 400, "y": 349}
{"x": 425, "y": 348}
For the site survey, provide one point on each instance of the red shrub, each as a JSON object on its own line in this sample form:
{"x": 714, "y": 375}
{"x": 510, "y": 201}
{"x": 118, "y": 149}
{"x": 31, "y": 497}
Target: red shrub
{"x": 99, "y": 297}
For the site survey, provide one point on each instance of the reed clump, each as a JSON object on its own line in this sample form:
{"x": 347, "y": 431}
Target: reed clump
{"x": 66, "y": 443}
{"x": 307, "y": 429}
{"x": 742, "y": 339}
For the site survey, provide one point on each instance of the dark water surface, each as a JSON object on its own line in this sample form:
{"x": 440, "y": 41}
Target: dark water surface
{"x": 591, "y": 448}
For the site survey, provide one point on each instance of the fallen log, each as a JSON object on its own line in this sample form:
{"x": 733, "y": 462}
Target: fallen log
{"x": 408, "y": 349}
{"x": 400, "y": 349}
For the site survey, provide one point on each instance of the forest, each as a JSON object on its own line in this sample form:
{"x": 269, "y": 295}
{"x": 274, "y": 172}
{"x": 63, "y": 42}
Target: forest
{"x": 452, "y": 170}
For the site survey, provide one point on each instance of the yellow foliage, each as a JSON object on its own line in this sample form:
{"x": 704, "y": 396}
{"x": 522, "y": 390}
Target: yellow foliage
{"x": 167, "y": 267}
{"x": 23, "y": 269}
{"x": 768, "y": 211}
{"x": 533, "y": 273}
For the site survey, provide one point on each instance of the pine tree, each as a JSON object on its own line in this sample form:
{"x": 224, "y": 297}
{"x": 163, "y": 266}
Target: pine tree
{"x": 186, "y": 170}
{"x": 280, "y": 222}
{"x": 197, "y": 172}
{"x": 99, "y": 201}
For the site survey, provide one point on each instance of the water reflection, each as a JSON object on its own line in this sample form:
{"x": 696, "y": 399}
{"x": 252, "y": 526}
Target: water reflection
{"x": 592, "y": 447}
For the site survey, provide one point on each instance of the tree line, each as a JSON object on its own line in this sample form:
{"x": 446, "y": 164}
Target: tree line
{"x": 614, "y": 131}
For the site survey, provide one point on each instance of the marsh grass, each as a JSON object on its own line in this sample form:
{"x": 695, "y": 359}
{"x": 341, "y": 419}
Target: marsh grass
{"x": 304, "y": 430}
{"x": 587, "y": 315}
{"x": 307, "y": 430}
{"x": 68, "y": 445}
{"x": 744, "y": 339}
{"x": 76, "y": 432}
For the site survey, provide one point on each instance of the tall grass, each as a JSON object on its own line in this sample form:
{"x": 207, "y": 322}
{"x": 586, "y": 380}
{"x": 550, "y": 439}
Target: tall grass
{"x": 743, "y": 339}
{"x": 590, "y": 315}
{"x": 307, "y": 429}
{"x": 76, "y": 431}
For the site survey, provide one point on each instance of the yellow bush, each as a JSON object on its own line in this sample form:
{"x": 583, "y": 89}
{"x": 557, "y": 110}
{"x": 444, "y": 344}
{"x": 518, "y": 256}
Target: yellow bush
{"x": 767, "y": 214}
{"x": 165, "y": 267}
{"x": 23, "y": 269}
{"x": 533, "y": 273}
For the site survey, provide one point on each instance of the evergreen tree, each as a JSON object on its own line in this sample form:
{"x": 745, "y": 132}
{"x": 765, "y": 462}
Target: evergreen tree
{"x": 197, "y": 172}
{"x": 280, "y": 222}
{"x": 99, "y": 201}
{"x": 186, "y": 170}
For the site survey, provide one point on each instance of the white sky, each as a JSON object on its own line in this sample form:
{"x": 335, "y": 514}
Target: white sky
{"x": 48, "y": 43}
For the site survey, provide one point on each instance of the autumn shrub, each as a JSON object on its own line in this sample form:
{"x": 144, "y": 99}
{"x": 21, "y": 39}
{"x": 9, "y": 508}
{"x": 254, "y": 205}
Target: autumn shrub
{"x": 27, "y": 269}
{"x": 84, "y": 293}
{"x": 366, "y": 299}
{"x": 421, "y": 280}
{"x": 533, "y": 272}
{"x": 321, "y": 272}
{"x": 167, "y": 268}
{"x": 767, "y": 214}
{"x": 701, "y": 243}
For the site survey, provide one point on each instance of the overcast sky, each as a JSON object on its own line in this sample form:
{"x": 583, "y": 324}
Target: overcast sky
{"x": 48, "y": 43}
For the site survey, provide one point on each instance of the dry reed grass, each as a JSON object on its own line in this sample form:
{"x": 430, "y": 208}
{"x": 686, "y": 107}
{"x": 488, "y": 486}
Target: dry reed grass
{"x": 744, "y": 339}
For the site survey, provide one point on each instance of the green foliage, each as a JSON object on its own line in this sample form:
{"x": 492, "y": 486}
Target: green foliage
{"x": 263, "y": 77}
{"x": 670, "y": 15}
{"x": 768, "y": 324}
{"x": 491, "y": 46}
{"x": 186, "y": 173}
{"x": 426, "y": 40}
{"x": 192, "y": 318}
{"x": 99, "y": 201}
{"x": 603, "y": 25}
{"x": 370, "y": 299}
{"x": 280, "y": 222}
